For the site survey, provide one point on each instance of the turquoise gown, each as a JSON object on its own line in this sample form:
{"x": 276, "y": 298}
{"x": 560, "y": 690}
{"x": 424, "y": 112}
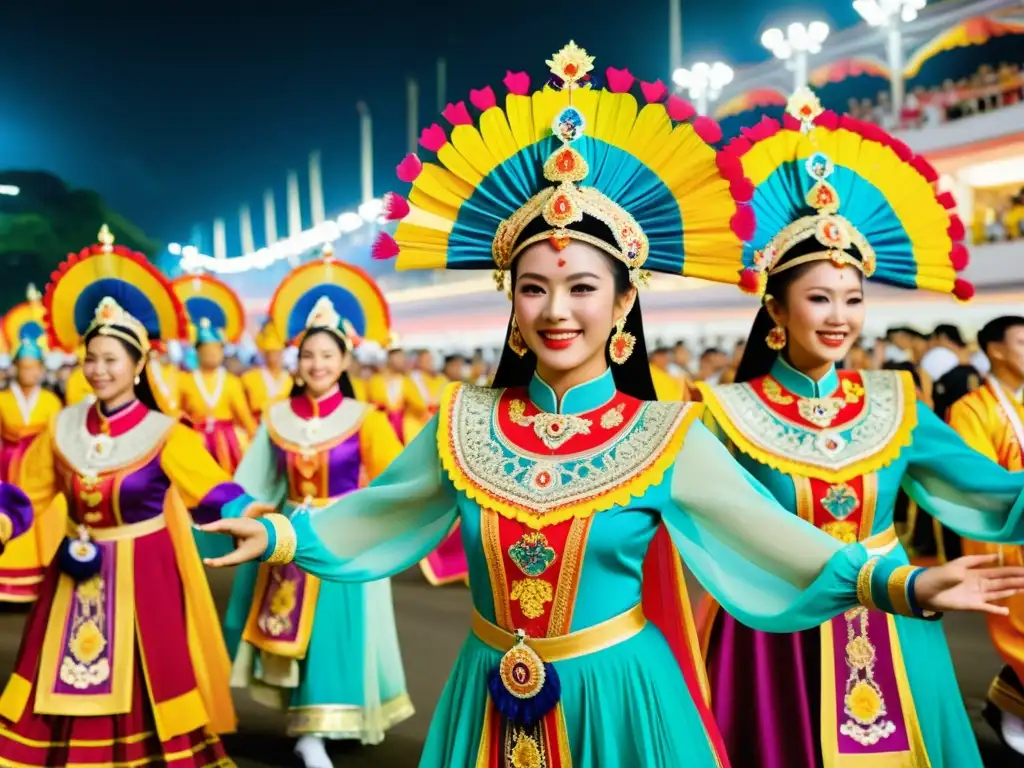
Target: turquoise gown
{"x": 767, "y": 689}
{"x": 559, "y": 505}
{"x": 326, "y": 653}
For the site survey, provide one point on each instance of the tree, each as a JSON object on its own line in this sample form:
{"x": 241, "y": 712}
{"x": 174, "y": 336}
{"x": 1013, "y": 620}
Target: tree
{"x": 45, "y": 222}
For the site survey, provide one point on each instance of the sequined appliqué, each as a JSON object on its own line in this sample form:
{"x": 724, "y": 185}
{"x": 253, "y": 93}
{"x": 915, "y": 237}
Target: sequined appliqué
{"x": 533, "y": 596}
{"x": 613, "y": 417}
{"x": 85, "y": 663}
{"x": 532, "y": 554}
{"x": 553, "y": 429}
{"x": 840, "y": 501}
{"x": 863, "y": 703}
{"x": 820, "y": 411}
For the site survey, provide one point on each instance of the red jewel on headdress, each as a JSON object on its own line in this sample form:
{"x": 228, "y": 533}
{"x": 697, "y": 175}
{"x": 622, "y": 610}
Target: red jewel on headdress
{"x": 566, "y": 163}
{"x": 570, "y": 69}
{"x": 825, "y": 197}
{"x": 806, "y": 111}
{"x": 562, "y": 206}
{"x": 559, "y": 244}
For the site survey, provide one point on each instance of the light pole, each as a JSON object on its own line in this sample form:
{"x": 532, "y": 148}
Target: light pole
{"x": 704, "y": 82}
{"x": 892, "y": 15}
{"x": 794, "y": 46}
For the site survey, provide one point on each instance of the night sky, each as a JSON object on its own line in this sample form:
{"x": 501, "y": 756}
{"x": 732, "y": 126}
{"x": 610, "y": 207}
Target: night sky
{"x": 179, "y": 112}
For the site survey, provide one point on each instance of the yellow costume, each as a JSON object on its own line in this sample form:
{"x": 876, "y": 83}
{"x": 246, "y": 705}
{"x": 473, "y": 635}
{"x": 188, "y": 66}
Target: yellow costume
{"x": 77, "y": 388}
{"x": 422, "y": 396}
{"x": 991, "y": 421}
{"x": 665, "y": 386}
{"x": 389, "y": 392}
{"x": 262, "y": 386}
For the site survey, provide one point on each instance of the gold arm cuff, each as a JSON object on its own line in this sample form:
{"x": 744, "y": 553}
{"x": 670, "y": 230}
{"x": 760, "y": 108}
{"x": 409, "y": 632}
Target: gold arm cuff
{"x": 284, "y": 549}
{"x": 586, "y": 641}
{"x": 6, "y": 528}
{"x": 897, "y": 586}
{"x": 864, "y": 584}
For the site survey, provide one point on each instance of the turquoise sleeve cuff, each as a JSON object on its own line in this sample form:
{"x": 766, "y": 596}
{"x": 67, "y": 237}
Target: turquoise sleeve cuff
{"x": 271, "y": 538}
{"x": 237, "y": 506}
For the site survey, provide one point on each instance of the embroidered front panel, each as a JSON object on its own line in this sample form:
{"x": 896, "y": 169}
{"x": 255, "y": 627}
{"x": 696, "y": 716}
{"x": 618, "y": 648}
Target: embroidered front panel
{"x": 845, "y": 511}
{"x": 493, "y": 451}
{"x": 281, "y": 613}
{"x": 307, "y": 475}
{"x": 92, "y": 499}
{"x": 859, "y": 428}
{"x": 534, "y": 574}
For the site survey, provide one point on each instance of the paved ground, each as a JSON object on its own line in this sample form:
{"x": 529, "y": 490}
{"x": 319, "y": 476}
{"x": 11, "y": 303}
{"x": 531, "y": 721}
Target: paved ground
{"x": 432, "y": 623}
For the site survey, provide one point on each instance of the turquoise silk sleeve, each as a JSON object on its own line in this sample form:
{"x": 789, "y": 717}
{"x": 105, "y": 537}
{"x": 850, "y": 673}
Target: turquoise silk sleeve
{"x": 964, "y": 490}
{"x": 766, "y": 566}
{"x": 259, "y": 472}
{"x": 384, "y": 528}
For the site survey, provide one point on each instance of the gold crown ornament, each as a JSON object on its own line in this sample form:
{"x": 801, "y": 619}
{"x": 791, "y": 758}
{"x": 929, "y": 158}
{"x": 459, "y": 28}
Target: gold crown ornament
{"x": 325, "y": 317}
{"x": 110, "y": 317}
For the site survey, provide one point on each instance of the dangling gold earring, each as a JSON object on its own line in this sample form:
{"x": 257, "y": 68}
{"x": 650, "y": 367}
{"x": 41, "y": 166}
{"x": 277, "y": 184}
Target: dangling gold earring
{"x": 776, "y": 338}
{"x": 622, "y": 343}
{"x": 298, "y": 381}
{"x": 138, "y": 380}
{"x": 515, "y": 339}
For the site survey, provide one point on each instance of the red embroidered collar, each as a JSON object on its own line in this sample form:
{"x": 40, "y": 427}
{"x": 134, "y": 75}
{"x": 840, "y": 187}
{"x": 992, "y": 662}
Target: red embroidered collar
{"x": 305, "y": 407}
{"x": 834, "y": 411}
{"x": 119, "y": 422}
{"x": 533, "y": 430}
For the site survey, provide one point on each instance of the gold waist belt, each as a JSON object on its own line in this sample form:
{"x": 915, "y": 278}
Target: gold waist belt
{"x": 115, "y": 532}
{"x": 581, "y": 643}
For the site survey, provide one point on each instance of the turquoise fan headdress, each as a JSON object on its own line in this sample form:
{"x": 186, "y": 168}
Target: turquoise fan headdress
{"x": 566, "y": 153}
{"x": 831, "y": 187}
{"x": 115, "y": 289}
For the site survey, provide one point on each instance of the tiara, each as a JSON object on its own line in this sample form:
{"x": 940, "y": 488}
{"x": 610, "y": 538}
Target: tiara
{"x": 325, "y": 317}
{"x": 110, "y": 317}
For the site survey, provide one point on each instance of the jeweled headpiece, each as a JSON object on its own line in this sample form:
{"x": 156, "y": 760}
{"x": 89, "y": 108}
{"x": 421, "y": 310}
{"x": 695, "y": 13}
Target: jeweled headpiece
{"x": 115, "y": 290}
{"x": 572, "y": 161}
{"x": 835, "y": 188}
{"x": 324, "y": 317}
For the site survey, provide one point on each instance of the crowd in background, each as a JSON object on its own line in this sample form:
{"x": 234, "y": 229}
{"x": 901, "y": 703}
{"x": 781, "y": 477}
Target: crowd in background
{"x": 989, "y": 88}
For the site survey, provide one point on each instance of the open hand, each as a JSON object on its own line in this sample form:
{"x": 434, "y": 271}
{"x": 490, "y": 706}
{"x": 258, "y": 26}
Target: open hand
{"x": 250, "y": 540}
{"x": 967, "y": 584}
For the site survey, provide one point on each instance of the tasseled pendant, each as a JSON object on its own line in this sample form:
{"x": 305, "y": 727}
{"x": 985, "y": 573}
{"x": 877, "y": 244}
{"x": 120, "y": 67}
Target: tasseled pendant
{"x": 80, "y": 558}
{"x": 523, "y": 687}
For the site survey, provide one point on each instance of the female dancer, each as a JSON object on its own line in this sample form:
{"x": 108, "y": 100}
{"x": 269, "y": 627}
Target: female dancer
{"x": 212, "y": 398}
{"x": 836, "y": 201}
{"x": 270, "y": 381}
{"x": 25, "y": 411}
{"x": 564, "y": 475}
{"x": 121, "y": 662}
{"x": 326, "y": 652}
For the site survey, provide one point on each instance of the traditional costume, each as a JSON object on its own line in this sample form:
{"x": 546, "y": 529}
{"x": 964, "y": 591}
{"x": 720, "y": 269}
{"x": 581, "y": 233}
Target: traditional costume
{"x": 325, "y": 652}
{"x": 164, "y": 379}
{"x": 864, "y": 688}
{"x": 214, "y": 401}
{"x": 121, "y": 662}
{"x": 581, "y": 650}
{"x": 991, "y": 420}
{"x": 23, "y": 416}
{"x": 262, "y": 385}
{"x": 389, "y": 391}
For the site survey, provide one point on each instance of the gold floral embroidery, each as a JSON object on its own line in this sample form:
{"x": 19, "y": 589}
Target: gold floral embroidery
{"x": 843, "y": 530}
{"x": 613, "y": 417}
{"x": 773, "y": 391}
{"x": 863, "y": 703}
{"x": 277, "y": 621}
{"x": 85, "y": 664}
{"x": 525, "y": 752}
{"x": 533, "y": 595}
{"x": 852, "y": 391}
{"x": 553, "y": 429}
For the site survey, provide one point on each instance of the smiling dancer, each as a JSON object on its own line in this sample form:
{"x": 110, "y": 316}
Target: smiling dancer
{"x": 565, "y": 475}
{"x": 991, "y": 420}
{"x": 837, "y": 201}
{"x": 325, "y": 652}
{"x": 121, "y": 662}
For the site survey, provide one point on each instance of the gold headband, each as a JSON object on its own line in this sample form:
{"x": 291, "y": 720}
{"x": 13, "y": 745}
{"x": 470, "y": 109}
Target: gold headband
{"x": 324, "y": 317}
{"x": 567, "y": 203}
{"x": 109, "y": 314}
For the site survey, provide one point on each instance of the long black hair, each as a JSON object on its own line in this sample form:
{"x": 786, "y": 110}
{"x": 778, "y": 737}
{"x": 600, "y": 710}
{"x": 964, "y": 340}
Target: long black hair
{"x": 143, "y": 390}
{"x": 632, "y": 377}
{"x": 344, "y": 382}
{"x": 758, "y": 358}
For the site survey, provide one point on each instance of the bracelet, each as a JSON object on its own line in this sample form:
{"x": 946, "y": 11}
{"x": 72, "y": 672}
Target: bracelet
{"x": 864, "y": 584}
{"x": 897, "y": 589}
{"x": 284, "y": 547}
{"x": 915, "y": 609}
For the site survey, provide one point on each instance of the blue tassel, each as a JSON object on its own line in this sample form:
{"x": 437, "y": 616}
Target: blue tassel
{"x": 525, "y": 712}
{"x": 81, "y": 560}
